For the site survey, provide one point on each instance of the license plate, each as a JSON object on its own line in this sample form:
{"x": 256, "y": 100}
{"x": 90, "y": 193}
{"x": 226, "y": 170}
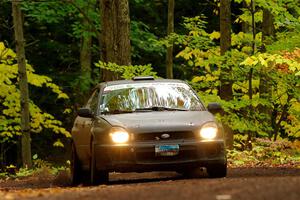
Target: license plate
{"x": 166, "y": 150}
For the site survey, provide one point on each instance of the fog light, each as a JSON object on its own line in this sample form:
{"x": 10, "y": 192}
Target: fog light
{"x": 209, "y": 131}
{"x": 119, "y": 135}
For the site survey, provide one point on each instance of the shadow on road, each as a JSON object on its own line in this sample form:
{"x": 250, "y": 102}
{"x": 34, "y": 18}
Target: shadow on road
{"x": 133, "y": 178}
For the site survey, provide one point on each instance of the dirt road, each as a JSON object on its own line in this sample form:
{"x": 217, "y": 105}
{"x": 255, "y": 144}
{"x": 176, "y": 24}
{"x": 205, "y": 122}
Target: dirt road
{"x": 241, "y": 184}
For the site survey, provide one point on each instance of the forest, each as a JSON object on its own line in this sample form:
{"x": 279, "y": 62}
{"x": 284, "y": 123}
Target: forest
{"x": 243, "y": 54}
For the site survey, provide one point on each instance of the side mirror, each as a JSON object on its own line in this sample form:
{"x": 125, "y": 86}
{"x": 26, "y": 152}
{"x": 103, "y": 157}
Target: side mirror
{"x": 214, "y": 108}
{"x": 85, "y": 112}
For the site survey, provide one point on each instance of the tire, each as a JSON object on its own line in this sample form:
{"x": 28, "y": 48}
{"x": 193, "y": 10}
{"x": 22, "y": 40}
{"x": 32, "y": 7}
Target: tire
{"x": 97, "y": 177}
{"x": 76, "y": 171}
{"x": 217, "y": 170}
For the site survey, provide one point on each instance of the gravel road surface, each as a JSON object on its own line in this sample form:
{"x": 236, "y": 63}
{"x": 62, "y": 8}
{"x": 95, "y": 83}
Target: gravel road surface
{"x": 241, "y": 184}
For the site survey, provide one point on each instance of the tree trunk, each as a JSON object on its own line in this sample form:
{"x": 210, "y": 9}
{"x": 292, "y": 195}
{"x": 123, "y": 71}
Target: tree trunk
{"x": 85, "y": 56}
{"x": 24, "y": 96}
{"x": 246, "y": 28}
{"x": 253, "y": 26}
{"x": 250, "y": 89}
{"x": 283, "y": 117}
{"x": 85, "y": 48}
{"x": 225, "y": 44}
{"x": 115, "y": 37}
{"x": 250, "y": 76}
{"x": 169, "y": 58}
{"x": 265, "y": 88}
{"x": 86, "y": 53}
{"x": 225, "y": 25}
{"x": 267, "y": 26}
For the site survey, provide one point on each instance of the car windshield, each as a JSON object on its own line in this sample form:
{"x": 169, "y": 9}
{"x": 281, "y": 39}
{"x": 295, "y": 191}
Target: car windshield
{"x": 143, "y": 97}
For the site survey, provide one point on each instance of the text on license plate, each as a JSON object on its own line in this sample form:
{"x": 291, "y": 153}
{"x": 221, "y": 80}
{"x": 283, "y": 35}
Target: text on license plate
{"x": 166, "y": 150}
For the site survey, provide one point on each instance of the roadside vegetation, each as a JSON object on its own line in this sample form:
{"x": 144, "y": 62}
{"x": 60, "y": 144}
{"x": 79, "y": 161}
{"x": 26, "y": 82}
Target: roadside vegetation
{"x": 265, "y": 153}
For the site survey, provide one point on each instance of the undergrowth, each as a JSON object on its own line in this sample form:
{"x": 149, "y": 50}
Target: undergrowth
{"x": 266, "y": 153}
{"x": 41, "y": 169}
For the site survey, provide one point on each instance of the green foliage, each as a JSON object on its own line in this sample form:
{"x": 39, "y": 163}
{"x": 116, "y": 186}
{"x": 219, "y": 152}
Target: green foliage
{"x": 196, "y": 38}
{"x": 41, "y": 170}
{"x": 281, "y": 70}
{"x": 287, "y": 40}
{"x": 143, "y": 40}
{"x": 10, "y": 99}
{"x": 202, "y": 56}
{"x": 264, "y": 153}
{"x": 128, "y": 72}
{"x": 285, "y": 12}
{"x": 48, "y": 12}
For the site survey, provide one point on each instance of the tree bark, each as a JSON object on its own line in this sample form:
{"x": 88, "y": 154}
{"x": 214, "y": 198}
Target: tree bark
{"x": 250, "y": 76}
{"x": 225, "y": 25}
{"x": 250, "y": 90}
{"x": 265, "y": 88}
{"x": 253, "y": 26}
{"x": 115, "y": 37}
{"x": 267, "y": 26}
{"x": 283, "y": 117}
{"x": 246, "y": 28}
{"x": 86, "y": 56}
{"x": 24, "y": 94}
{"x": 169, "y": 58}
{"x": 225, "y": 44}
{"x": 85, "y": 49}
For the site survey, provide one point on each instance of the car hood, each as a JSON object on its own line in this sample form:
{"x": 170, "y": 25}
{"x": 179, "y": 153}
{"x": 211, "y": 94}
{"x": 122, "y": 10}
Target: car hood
{"x": 142, "y": 122}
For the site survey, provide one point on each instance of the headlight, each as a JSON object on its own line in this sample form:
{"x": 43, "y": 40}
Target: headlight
{"x": 119, "y": 135}
{"x": 209, "y": 130}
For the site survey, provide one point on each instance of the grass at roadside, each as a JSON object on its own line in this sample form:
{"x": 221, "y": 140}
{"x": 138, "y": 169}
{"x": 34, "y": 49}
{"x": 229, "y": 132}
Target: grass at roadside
{"x": 42, "y": 171}
{"x": 266, "y": 153}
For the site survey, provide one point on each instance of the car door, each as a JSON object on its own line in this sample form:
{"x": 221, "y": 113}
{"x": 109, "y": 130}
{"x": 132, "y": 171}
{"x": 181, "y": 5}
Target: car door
{"x": 81, "y": 131}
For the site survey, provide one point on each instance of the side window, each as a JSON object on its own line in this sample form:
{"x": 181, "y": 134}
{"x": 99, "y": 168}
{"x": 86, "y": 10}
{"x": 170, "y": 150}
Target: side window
{"x": 93, "y": 101}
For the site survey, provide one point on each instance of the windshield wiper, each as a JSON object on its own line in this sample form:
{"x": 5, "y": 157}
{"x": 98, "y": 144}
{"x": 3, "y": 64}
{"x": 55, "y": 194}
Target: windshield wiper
{"x": 148, "y": 109}
{"x": 117, "y": 111}
{"x": 159, "y": 108}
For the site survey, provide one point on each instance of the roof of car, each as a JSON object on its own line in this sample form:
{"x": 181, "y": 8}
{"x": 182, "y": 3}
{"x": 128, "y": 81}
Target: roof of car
{"x": 120, "y": 82}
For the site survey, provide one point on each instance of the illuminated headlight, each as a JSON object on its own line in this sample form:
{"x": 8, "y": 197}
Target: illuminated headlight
{"x": 209, "y": 131}
{"x": 119, "y": 135}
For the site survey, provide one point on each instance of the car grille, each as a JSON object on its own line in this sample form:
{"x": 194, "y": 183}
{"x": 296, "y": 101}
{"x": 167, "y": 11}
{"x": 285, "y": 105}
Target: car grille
{"x": 158, "y": 136}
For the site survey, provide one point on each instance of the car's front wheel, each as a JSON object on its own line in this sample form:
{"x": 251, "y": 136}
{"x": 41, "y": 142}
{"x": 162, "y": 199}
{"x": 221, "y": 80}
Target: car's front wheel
{"x": 217, "y": 170}
{"x": 97, "y": 177}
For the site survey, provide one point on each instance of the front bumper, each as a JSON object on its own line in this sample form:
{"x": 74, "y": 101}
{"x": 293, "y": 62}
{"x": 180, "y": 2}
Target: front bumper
{"x": 141, "y": 156}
